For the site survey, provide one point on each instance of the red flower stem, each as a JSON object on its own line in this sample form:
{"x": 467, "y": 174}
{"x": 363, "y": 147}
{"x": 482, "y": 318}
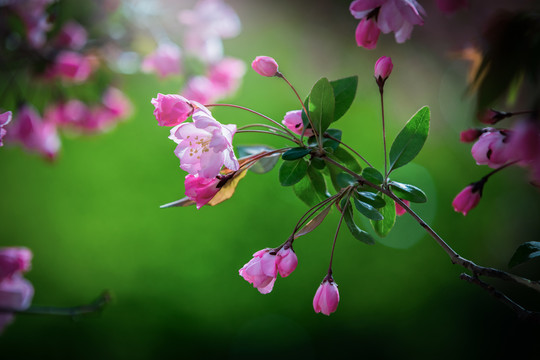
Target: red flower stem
{"x": 384, "y": 135}
{"x": 295, "y": 140}
{"x": 327, "y": 135}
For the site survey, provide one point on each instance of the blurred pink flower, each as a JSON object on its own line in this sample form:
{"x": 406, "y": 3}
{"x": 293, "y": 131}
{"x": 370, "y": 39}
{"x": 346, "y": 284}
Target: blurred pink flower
{"x": 201, "y": 190}
{"x": 400, "y": 210}
{"x": 116, "y": 102}
{"x": 204, "y": 145}
{"x": 327, "y": 297}
{"x": 5, "y": 118}
{"x": 261, "y": 271}
{"x": 14, "y": 260}
{"x": 226, "y": 75}
{"x": 171, "y": 110}
{"x": 72, "y": 36}
{"x": 265, "y": 66}
{"x": 286, "y": 260}
{"x": 15, "y": 293}
{"x": 492, "y": 149}
{"x": 467, "y": 199}
{"x": 35, "y": 19}
{"x": 34, "y": 133}
{"x": 524, "y": 141}
{"x": 367, "y": 34}
{"x": 72, "y": 112}
{"x": 293, "y": 121}
{"x": 72, "y": 66}
{"x": 164, "y": 61}
{"x": 398, "y": 16}
{"x": 199, "y": 89}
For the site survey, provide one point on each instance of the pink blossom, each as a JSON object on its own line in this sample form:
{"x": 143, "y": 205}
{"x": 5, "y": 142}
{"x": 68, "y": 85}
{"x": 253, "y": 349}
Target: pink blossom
{"x": 261, "y": 271}
{"x": 451, "y": 6}
{"x": 524, "y": 142}
{"x": 470, "y": 135}
{"x": 468, "y": 198}
{"x": 71, "y": 66}
{"x": 327, "y": 297}
{"x": 199, "y": 89}
{"x": 204, "y": 145}
{"x": 5, "y": 118}
{"x": 265, "y": 66}
{"x": 165, "y": 60}
{"x": 492, "y": 149}
{"x": 15, "y": 293}
{"x": 116, "y": 102}
{"x": 72, "y": 36}
{"x": 225, "y": 76}
{"x": 367, "y": 34}
{"x": 34, "y": 133}
{"x": 400, "y": 210}
{"x": 73, "y": 112}
{"x": 293, "y": 121}
{"x": 286, "y": 260}
{"x": 398, "y": 16}
{"x": 383, "y": 67}
{"x": 201, "y": 190}
{"x": 14, "y": 260}
{"x": 35, "y": 19}
{"x": 171, "y": 110}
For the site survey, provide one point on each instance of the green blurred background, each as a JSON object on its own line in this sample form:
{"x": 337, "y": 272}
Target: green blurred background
{"x": 93, "y": 222}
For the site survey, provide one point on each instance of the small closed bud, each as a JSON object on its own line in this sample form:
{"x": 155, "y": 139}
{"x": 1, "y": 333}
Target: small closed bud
{"x": 171, "y": 110}
{"x": 492, "y": 116}
{"x": 327, "y": 297}
{"x": 265, "y": 66}
{"x": 286, "y": 261}
{"x": 383, "y": 67}
{"x": 468, "y": 198}
{"x": 470, "y": 135}
{"x": 367, "y": 33}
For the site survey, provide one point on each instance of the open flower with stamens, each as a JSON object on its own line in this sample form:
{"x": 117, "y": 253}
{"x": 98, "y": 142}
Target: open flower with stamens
{"x": 205, "y": 145}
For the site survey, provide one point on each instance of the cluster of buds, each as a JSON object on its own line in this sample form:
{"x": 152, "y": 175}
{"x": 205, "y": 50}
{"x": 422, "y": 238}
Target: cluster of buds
{"x": 205, "y": 26}
{"x": 15, "y": 291}
{"x": 398, "y": 16}
{"x": 498, "y": 149}
{"x": 56, "y": 62}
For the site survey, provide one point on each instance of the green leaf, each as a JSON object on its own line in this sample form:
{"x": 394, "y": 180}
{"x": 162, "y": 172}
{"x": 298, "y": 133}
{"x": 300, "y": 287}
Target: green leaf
{"x": 312, "y": 188}
{"x": 295, "y": 153}
{"x": 318, "y": 163}
{"x": 263, "y": 165}
{"x": 292, "y": 172}
{"x": 525, "y": 252}
{"x": 321, "y": 105}
{"x": 344, "y": 158}
{"x": 367, "y": 210}
{"x": 344, "y": 92}
{"x": 410, "y": 140}
{"x": 408, "y": 192}
{"x": 383, "y": 227}
{"x": 371, "y": 198}
{"x": 344, "y": 179}
{"x": 373, "y": 175}
{"x": 355, "y": 230}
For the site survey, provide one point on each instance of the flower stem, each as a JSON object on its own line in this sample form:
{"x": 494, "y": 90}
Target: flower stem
{"x": 295, "y": 140}
{"x": 327, "y": 135}
{"x": 337, "y": 232}
{"x": 384, "y": 135}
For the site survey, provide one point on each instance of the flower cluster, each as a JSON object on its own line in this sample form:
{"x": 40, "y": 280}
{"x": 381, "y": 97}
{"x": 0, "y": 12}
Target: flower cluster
{"x": 204, "y": 146}
{"x": 498, "y": 149}
{"x": 398, "y": 16}
{"x": 15, "y": 291}
{"x": 55, "y": 61}
{"x": 206, "y": 25}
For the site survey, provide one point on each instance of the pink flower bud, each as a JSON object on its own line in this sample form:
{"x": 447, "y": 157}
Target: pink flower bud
{"x": 15, "y": 293}
{"x": 14, "y": 260}
{"x": 468, "y": 198}
{"x": 383, "y": 67}
{"x": 201, "y": 190}
{"x": 367, "y": 33}
{"x": 115, "y": 101}
{"x": 293, "y": 121}
{"x": 171, "y": 110}
{"x": 36, "y": 134}
{"x": 265, "y": 66}
{"x": 470, "y": 135}
{"x": 261, "y": 271}
{"x": 400, "y": 210}
{"x": 492, "y": 116}
{"x": 286, "y": 261}
{"x": 327, "y": 297}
